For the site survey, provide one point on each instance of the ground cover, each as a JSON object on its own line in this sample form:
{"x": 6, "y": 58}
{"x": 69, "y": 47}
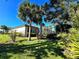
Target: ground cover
{"x": 35, "y": 49}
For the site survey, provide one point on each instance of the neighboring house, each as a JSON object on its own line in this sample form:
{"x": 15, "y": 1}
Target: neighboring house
{"x": 1, "y": 31}
{"x": 24, "y": 30}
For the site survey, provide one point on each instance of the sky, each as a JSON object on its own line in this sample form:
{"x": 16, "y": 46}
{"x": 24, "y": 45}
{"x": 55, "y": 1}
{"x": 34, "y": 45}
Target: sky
{"x": 9, "y": 9}
{"x": 9, "y": 12}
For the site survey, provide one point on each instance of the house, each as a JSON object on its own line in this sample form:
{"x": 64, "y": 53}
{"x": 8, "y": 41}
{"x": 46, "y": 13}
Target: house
{"x": 1, "y": 31}
{"x": 48, "y": 30}
{"x": 24, "y": 30}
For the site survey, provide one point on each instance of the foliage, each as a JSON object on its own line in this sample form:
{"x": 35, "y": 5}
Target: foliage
{"x": 13, "y": 36}
{"x": 69, "y": 43}
{"x": 5, "y": 28}
{"x": 4, "y": 38}
{"x": 31, "y": 50}
{"x": 75, "y": 20}
{"x": 32, "y": 12}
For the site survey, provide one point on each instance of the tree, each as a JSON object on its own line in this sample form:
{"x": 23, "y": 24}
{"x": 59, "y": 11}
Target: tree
{"x": 69, "y": 42}
{"x": 37, "y": 19}
{"x": 33, "y": 12}
{"x": 5, "y": 28}
{"x": 75, "y": 15}
{"x": 25, "y": 14}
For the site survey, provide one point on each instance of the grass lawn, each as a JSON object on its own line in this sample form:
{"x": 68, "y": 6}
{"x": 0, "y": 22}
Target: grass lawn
{"x": 4, "y": 38}
{"x": 34, "y": 49}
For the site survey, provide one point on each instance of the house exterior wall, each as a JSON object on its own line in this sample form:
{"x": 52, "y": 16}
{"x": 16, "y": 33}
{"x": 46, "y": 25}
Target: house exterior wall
{"x": 24, "y": 30}
{"x": 19, "y": 30}
{"x": 1, "y": 31}
{"x": 48, "y": 30}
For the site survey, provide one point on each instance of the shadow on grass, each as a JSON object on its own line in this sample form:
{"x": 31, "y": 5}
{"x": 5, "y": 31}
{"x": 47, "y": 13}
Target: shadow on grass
{"x": 38, "y": 50}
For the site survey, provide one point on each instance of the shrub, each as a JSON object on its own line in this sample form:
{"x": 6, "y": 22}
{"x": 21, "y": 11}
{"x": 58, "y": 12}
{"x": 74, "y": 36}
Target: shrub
{"x": 70, "y": 43}
{"x": 4, "y": 38}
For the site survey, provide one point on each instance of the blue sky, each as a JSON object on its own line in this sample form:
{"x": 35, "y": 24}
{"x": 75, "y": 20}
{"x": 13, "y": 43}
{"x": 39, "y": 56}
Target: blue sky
{"x": 8, "y": 12}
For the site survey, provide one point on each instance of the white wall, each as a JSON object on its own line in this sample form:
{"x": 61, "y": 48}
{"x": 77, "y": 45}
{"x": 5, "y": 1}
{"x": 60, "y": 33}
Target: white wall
{"x": 1, "y": 30}
{"x": 20, "y": 30}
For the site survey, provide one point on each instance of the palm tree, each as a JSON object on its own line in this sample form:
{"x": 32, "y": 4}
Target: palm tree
{"x": 25, "y": 14}
{"x": 37, "y": 19}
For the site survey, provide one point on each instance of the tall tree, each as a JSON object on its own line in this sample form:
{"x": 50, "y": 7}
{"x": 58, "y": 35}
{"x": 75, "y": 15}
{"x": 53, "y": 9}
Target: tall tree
{"x": 25, "y": 13}
{"x": 37, "y": 19}
{"x": 33, "y": 12}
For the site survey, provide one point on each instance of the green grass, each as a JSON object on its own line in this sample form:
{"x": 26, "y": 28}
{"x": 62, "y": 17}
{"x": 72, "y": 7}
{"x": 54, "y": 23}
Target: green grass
{"x": 34, "y": 49}
{"x": 4, "y": 38}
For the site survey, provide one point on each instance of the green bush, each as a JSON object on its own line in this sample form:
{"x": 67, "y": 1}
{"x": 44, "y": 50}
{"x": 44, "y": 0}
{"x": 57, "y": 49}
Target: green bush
{"x": 4, "y": 38}
{"x": 70, "y": 43}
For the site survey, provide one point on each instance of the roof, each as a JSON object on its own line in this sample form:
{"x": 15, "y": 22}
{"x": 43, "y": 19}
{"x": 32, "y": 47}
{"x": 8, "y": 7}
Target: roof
{"x": 24, "y": 26}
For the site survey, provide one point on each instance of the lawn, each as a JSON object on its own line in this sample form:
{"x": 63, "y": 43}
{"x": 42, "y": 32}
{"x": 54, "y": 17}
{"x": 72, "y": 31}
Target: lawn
{"x": 35, "y": 49}
{"x": 4, "y": 38}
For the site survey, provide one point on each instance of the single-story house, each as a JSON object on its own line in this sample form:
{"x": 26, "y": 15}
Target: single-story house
{"x": 24, "y": 30}
{"x": 1, "y": 31}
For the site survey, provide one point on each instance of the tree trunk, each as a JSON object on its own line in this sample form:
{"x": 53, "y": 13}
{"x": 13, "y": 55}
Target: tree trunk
{"x": 26, "y": 33}
{"x": 40, "y": 31}
{"x": 29, "y": 32}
